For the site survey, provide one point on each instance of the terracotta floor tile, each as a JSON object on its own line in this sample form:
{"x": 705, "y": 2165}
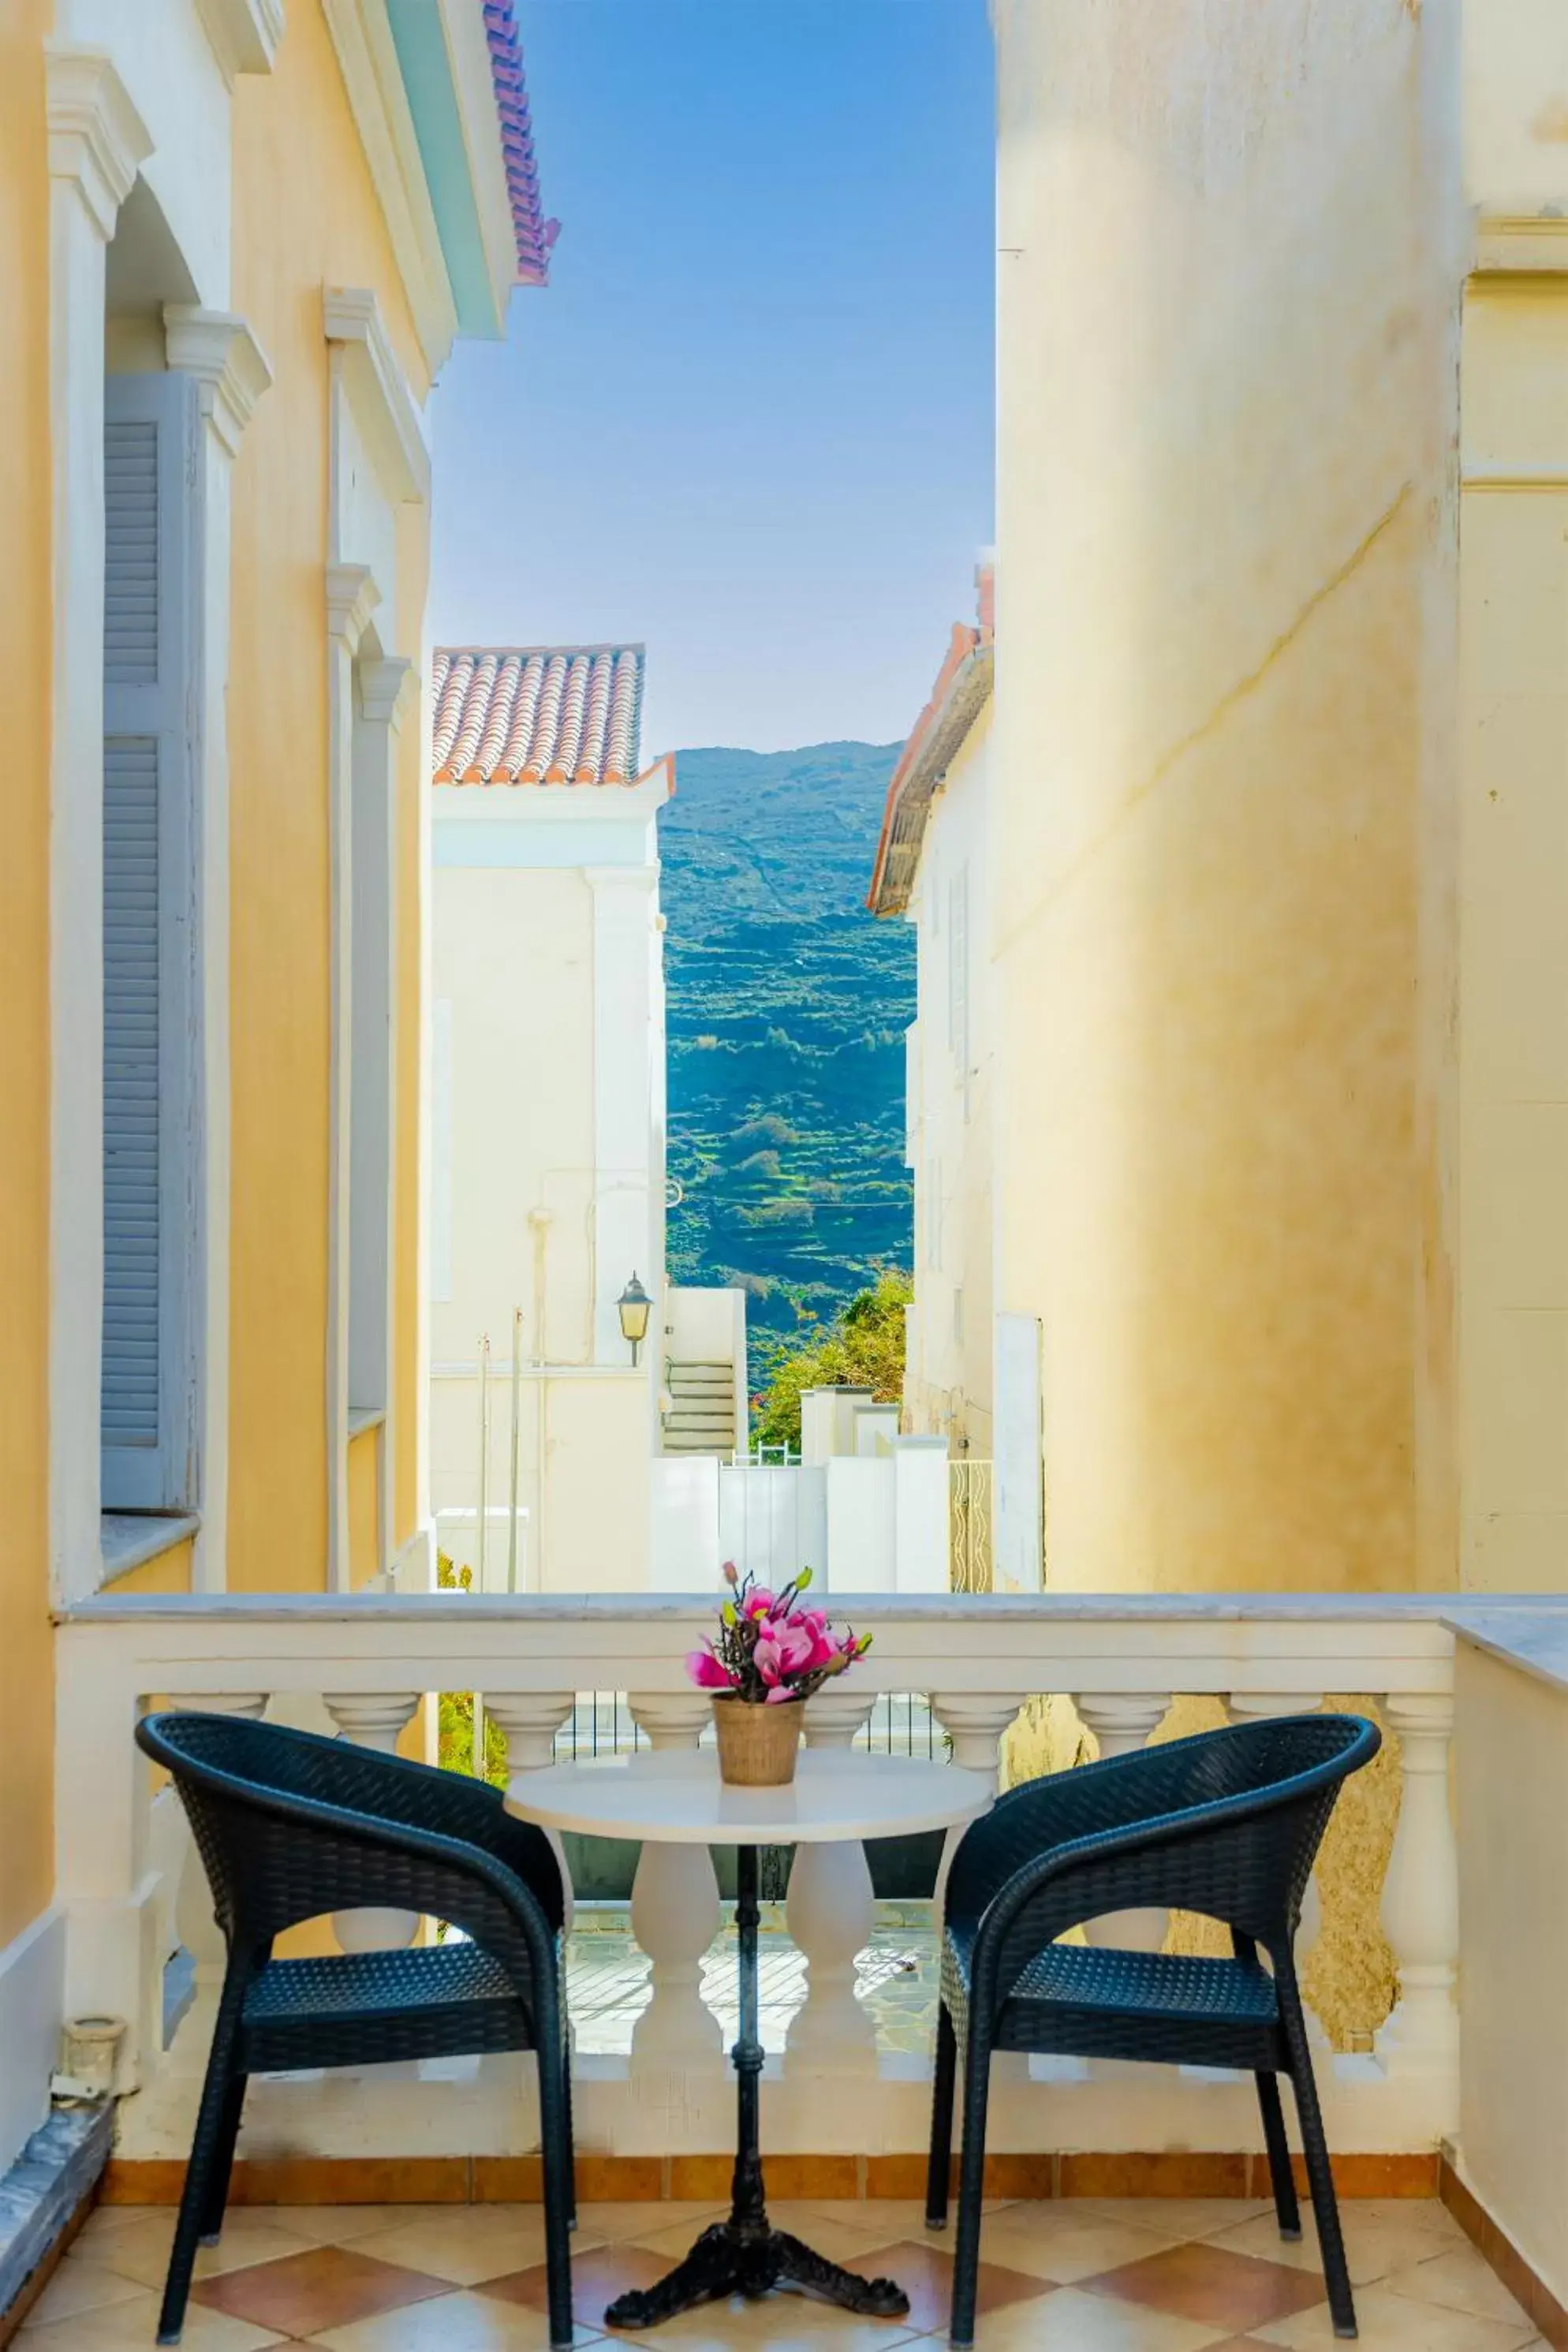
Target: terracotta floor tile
{"x": 849, "y": 2243}
{"x": 599, "y": 2274}
{"x": 328, "y": 2288}
{"x": 925, "y": 2273}
{"x": 778, "y": 2322}
{"x": 1197, "y": 2281}
{"x": 345, "y": 2225}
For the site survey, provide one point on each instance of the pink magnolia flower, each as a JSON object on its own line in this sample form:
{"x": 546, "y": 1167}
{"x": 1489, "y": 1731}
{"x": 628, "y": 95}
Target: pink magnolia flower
{"x": 759, "y": 1603}
{"x": 706, "y": 1673}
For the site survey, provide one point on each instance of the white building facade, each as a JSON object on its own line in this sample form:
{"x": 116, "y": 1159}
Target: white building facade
{"x": 933, "y": 868}
{"x": 547, "y": 1177}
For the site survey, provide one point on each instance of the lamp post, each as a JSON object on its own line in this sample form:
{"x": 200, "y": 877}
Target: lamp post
{"x": 634, "y": 1306}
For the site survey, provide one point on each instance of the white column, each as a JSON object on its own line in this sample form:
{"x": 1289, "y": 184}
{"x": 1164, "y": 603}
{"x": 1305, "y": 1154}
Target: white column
{"x": 97, "y": 140}
{"x": 232, "y": 372}
{"x": 1122, "y": 1721}
{"x": 197, "y": 1929}
{"x": 529, "y": 1721}
{"x": 830, "y": 1913}
{"x": 675, "y": 1910}
{"x": 373, "y": 1719}
{"x": 352, "y": 596}
{"x": 624, "y": 1103}
{"x": 1421, "y": 1906}
{"x": 1257, "y": 1707}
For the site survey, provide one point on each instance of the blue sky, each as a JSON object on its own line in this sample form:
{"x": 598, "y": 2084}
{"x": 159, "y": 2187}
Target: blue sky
{"x": 751, "y": 420}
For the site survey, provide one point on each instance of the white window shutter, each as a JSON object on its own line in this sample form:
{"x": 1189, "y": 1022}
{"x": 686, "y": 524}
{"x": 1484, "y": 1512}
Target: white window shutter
{"x": 148, "y": 938}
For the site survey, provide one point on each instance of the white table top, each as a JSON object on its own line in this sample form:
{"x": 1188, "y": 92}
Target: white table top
{"x": 674, "y": 1796}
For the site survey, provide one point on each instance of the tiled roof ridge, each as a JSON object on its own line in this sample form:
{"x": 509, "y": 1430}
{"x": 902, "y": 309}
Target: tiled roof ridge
{"x": 962, "y": 685}
{"x": 543, "y": 715}
{"x": 535, "y": 234}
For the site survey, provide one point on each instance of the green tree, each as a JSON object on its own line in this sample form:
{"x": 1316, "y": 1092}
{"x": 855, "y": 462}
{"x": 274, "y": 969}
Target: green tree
{"x": 863, "y": 1349}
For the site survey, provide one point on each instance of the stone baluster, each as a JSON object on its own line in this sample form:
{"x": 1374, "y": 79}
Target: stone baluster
{"x": 1257, "y": 1707}
{"x": 675, "y": 1910}
{"x": 373, "y": 1719}
{"x": 527, "y": 1722}
{"x": 974, "y": 1722}
{"x": 195, "y": 1924}
{"x": 830, "y": 1913}
{"x": 1420, "y": 2039}
{"x": 1122, "y": 1721}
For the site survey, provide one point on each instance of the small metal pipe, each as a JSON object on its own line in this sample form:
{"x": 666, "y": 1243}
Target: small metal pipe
{"x": 516, "y": 1420}
{"x": 484, "y": 1452}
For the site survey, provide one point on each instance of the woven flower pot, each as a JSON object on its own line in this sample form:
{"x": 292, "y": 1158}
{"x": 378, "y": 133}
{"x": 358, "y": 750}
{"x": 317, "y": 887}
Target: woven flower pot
{"x": 757, "y": 1745}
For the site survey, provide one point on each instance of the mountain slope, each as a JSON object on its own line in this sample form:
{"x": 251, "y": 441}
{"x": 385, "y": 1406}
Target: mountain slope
{"x": 787, "y": 1007}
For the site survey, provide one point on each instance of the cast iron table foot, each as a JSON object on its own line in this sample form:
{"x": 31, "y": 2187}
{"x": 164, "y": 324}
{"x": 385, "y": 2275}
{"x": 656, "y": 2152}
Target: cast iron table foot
{"x": 741, "y": 2258}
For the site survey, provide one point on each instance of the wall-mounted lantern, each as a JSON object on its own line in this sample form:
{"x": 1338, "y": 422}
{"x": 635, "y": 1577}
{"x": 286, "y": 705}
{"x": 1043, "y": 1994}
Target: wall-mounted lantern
{"x": 634, "y": 1306}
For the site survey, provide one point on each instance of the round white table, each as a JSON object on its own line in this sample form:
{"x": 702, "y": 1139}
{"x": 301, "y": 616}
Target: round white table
{"x": 677, "y": 1796}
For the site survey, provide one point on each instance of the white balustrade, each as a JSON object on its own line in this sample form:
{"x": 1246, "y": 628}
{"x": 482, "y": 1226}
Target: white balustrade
{"x": 527, "y": 1722}
{"x": 374, "y": 1719}
{"x": 675, "y": 1909}
{"x": 1258, "y": 1707}
{"x": 1420, "y": 1904}
{"x": 1122, "y": 1721}
{"x": 975, "y": 1657}
{"x": 193, "y": 1923}
{"x": 830, "y": 1913}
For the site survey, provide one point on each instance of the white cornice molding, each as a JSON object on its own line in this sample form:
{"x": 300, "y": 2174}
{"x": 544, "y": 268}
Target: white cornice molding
{"x": 379, "y": 391}
{"x": 384, "y": 689}
{"x": 226, "y": 361}
{"x": 351, "y": 597}
{"x": 244, "y": 34}
{"x": 97, "y": 139}
{"x": 368, "y": 59}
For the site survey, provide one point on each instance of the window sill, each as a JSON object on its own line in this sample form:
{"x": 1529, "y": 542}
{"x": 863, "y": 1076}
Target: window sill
{"x": 363, "y": 1417}
{"x": 129, "y": 1538}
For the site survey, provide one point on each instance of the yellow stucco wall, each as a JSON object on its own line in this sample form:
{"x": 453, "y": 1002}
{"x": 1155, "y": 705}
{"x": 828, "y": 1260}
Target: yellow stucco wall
{"x": 305, "y": 216}
{"x": 26, "y": 1692}
{"x": 365, "y": 1516}
{"x": 1225, "y": 938}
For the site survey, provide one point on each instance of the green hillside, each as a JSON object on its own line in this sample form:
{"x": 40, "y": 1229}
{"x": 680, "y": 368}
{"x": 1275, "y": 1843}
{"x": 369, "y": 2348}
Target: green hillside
{"x": 787, "y": 1007}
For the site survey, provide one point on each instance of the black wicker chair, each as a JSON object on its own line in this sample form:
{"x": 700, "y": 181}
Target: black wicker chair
{"x": 1228, "y": 1824}
{"x": 289, "y": 1826}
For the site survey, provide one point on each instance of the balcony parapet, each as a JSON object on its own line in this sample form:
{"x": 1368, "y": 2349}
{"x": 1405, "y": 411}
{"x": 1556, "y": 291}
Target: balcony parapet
{"x": 363, "y": 1661}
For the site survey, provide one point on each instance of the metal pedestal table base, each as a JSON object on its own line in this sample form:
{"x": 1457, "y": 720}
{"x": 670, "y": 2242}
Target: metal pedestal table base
{"x": 743, "y": 2255}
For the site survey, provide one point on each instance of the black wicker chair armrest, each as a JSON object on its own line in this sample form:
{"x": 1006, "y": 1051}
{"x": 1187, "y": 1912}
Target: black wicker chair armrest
{"x": 1041, "y": 1815}
{"x": 459, "y": 1842}
{"x": 1241, "y": 1858}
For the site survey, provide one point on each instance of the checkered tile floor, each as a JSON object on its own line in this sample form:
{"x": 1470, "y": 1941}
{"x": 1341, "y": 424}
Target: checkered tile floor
{"x": 1156, "y": 2275}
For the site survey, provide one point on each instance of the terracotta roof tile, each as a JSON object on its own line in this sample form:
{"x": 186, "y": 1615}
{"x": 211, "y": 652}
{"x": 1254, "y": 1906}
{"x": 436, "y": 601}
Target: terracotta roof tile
{"x": 534, "y": 233}
{"x": 536, "y": 714}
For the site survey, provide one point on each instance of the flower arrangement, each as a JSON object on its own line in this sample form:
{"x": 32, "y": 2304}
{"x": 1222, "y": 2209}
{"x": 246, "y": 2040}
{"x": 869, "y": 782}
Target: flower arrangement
{"x": 769, "y": 1650}
{"x": 769, "y": 1654}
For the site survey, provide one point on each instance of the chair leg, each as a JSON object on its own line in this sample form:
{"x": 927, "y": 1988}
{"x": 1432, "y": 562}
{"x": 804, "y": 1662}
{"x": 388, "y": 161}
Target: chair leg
{"x": 571, "y": 2136}
{"x": 971, "y": 2188}
{"x": 555, "y": 2131}
{"x": 1287, "y": 2212}
{"x": 223, "y": 2160}
{"x": 1315, "y": 2147}
{"x": 942, "y": 2079}
{"x": 203, "y": 2171}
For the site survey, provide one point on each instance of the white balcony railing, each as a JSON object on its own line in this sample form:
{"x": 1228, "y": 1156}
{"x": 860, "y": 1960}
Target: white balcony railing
{"x": 133, "y": 1892}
